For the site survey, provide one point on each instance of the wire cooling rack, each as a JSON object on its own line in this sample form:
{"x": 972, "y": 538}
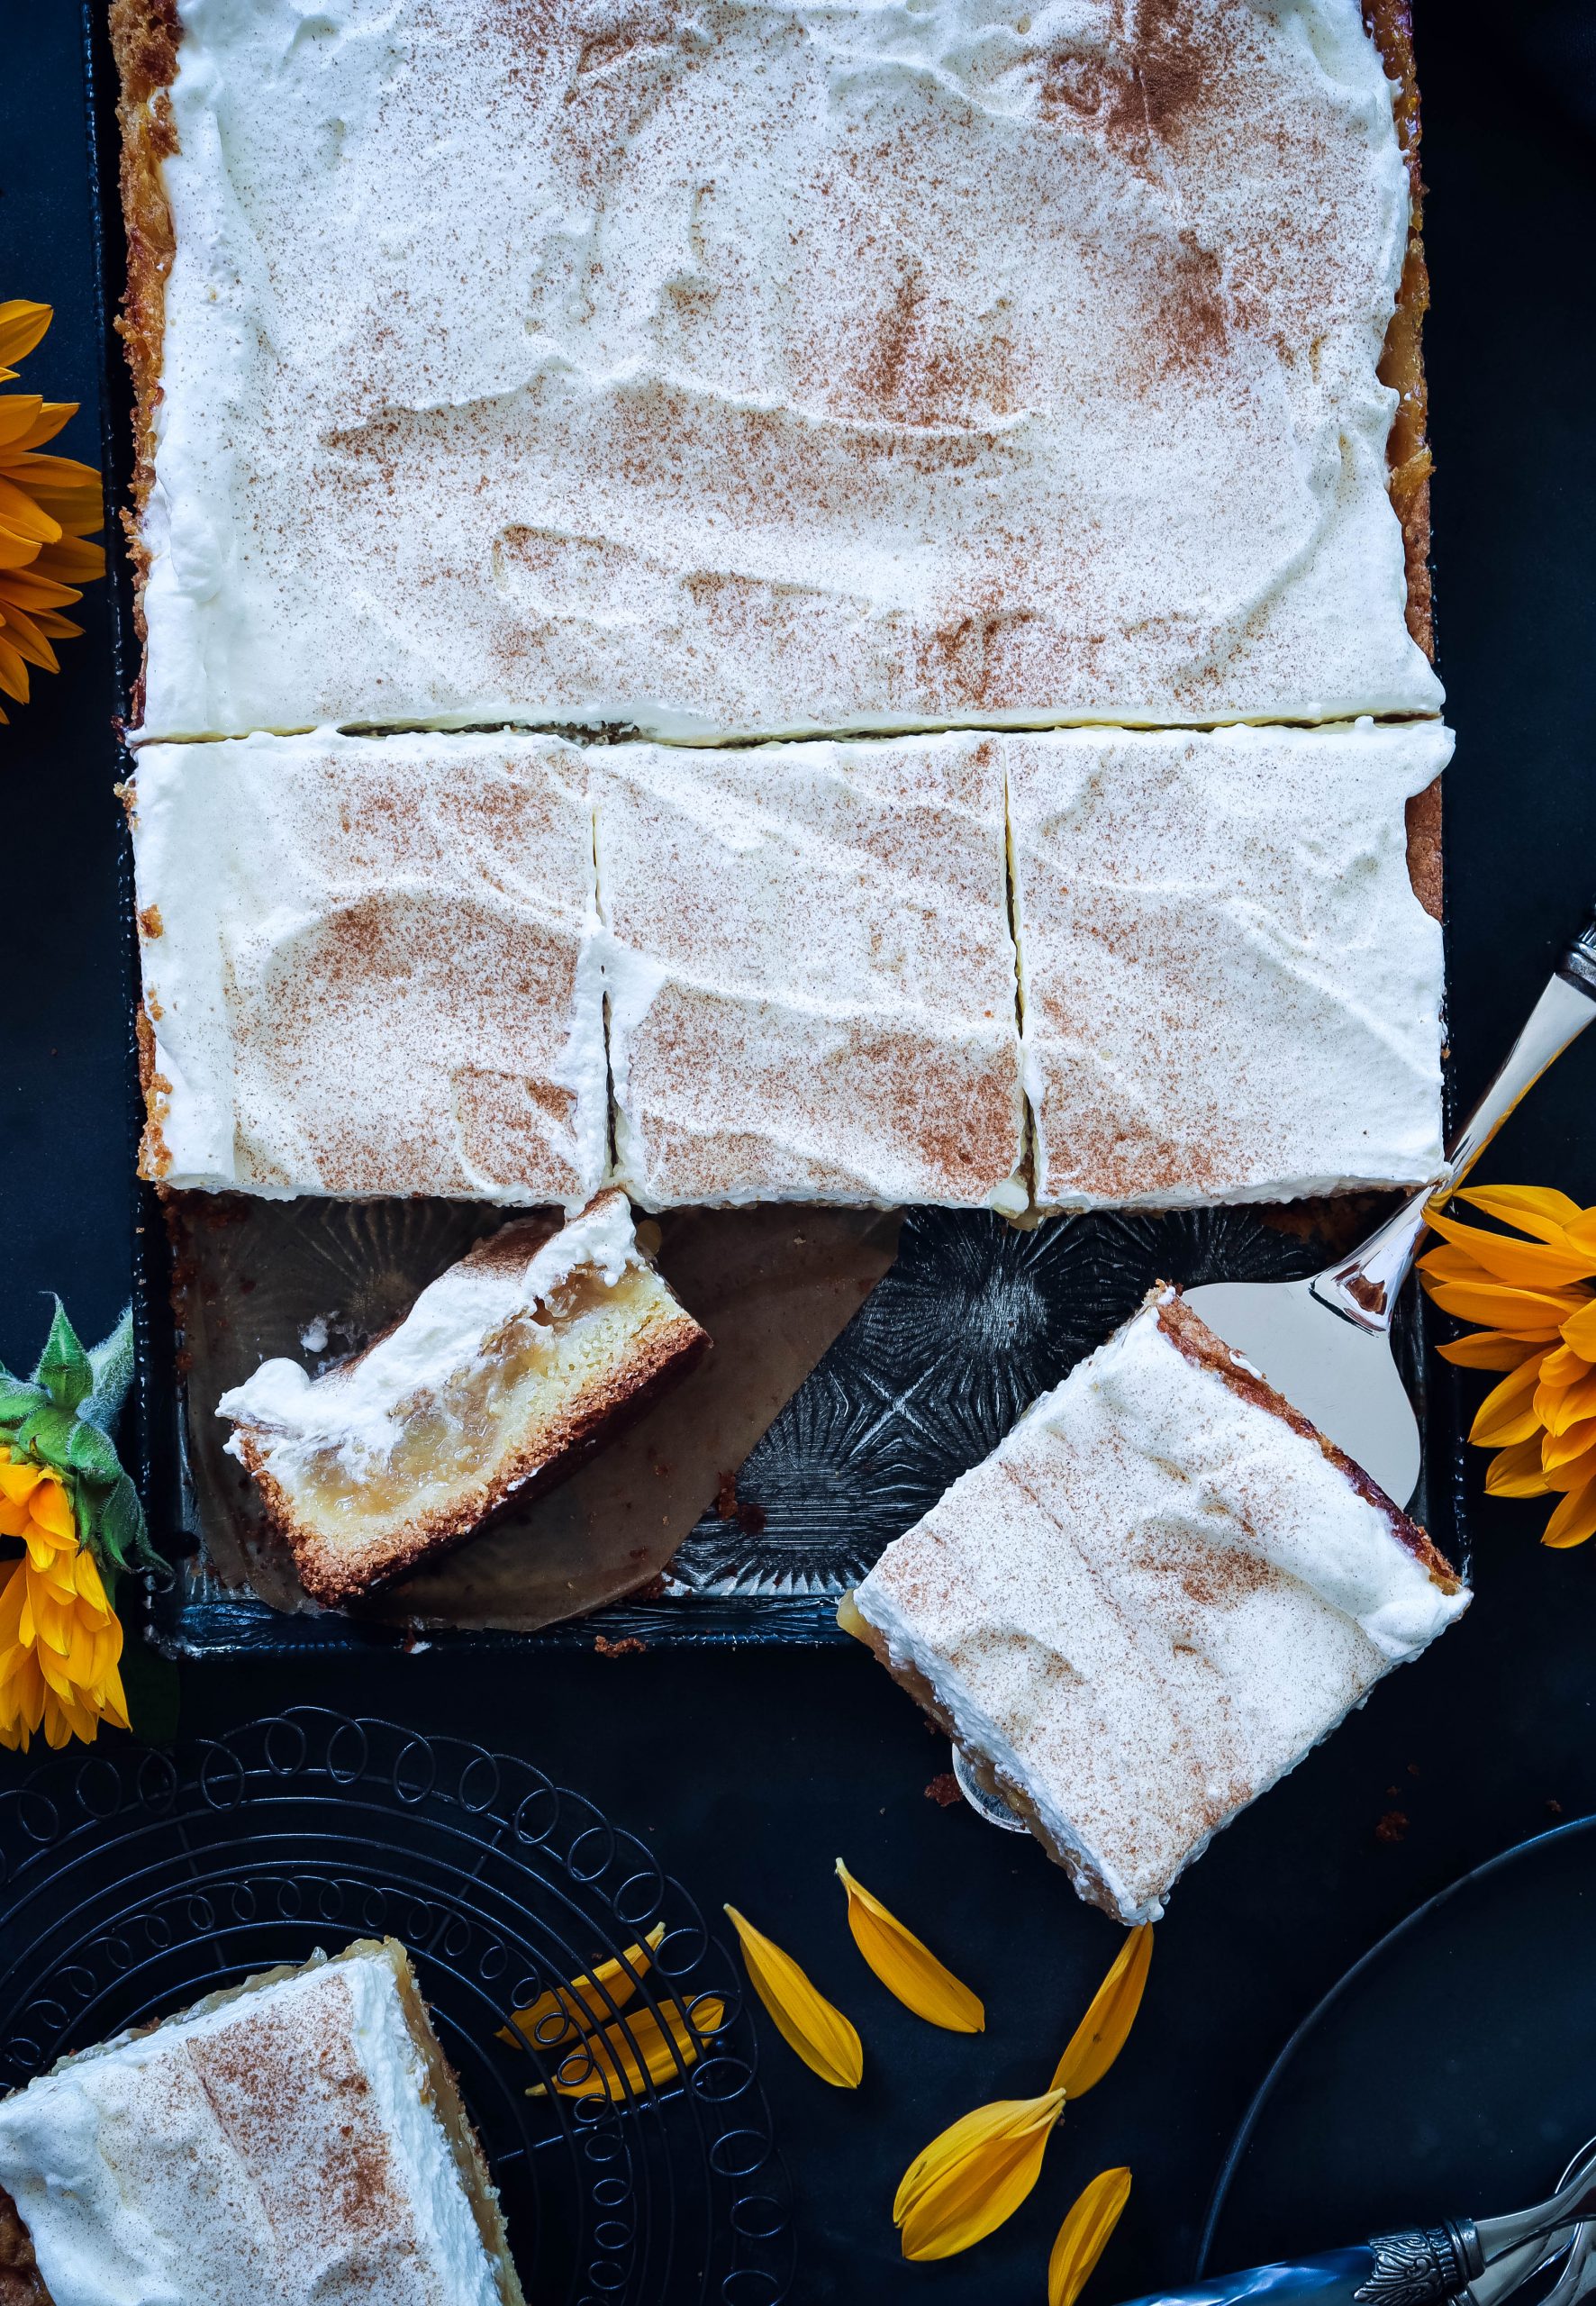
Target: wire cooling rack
{"x": 134, "y": 1882}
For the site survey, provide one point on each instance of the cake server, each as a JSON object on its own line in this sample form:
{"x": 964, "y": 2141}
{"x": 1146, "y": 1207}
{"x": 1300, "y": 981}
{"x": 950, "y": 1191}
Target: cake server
{"x": 1326, "y": 1343}
{"x": 1471, "y": 2262}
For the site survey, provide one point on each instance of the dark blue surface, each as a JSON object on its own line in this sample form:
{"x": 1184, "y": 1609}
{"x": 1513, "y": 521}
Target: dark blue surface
{"x": 753, "y": 1770}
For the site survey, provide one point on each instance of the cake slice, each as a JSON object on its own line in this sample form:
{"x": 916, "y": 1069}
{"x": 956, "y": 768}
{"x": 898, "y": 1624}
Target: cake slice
{"x": 809, "y": 973}
{"x": 298, "y": 2136}
{"x": 508, "y": 1371}
{"x": 368, "y": 967}
{"x": 1231, "y": 989}
{"x": 1151, "y": 1600}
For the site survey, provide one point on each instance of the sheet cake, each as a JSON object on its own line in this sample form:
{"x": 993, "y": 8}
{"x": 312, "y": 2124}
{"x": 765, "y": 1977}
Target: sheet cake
{"x": 767, "y": 369}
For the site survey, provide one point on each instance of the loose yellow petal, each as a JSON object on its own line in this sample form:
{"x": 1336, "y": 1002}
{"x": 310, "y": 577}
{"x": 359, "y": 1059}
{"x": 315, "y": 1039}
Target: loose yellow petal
{"x": 975, "y": 2174}
{"x": 1490, "y": 1349}
{"x": 1507, "y": 1414}
{"x": 1084, "y": 2237}
{"x": 589, "y": 1999}
{"x": 1575, "y": 1520}
{"x": 605, "y": 2062}
{"x": 905, "y": 1966}
{"x": 1517, "y": 1472}
{"x": 1100, "y": 2037}
{"x": 826, "y": 2040}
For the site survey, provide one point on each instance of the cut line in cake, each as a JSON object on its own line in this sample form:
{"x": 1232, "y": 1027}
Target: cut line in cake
{"x": 454, "y": 964}
{"x": 1014, "y": 373}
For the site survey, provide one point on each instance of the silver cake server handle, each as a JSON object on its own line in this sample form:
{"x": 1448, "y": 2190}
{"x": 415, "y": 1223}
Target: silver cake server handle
{"x": 1364, "y": 1286}
{"x": 1325, "y": 1342}
{"x": 1473, "y": 2262}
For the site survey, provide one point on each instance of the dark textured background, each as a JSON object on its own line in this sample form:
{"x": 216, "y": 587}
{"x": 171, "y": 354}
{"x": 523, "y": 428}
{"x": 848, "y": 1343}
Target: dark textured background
{"x": 752, "y": 1770}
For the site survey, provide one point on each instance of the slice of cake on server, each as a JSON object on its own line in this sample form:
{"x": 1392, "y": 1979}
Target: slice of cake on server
{"x": 1159, "y": 1592}
{"x": 507, "y": 1372}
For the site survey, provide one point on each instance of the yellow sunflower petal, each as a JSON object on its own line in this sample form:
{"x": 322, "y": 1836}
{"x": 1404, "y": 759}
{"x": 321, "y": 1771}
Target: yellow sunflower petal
{"x": 591, "y": 1996}
{"x": 1527, "y": 1264}
{"x": 635, "y": 2052}
{"x": 1517, "y": 1472}
{"x": 1534, "y": 1209}
{"x": 1571, "y": 1473}
{"x": 1575, "y": 1520}
{"x": 22, "y": 324}
{"x": 905, "y": 1966}
{"x": 51, "y": 1505}
{"x": 18, "y": 1481}
{"x": 1559, "y": 1450}
{"x": 827, "y": 2042}
{"x": 1084, "y": 2237}
{"x": 1559, "y": 1406}
{"x": 1490, "y": 1350}
{"x": 1527, "y": 1313}
{"x": 1564, "y": 1366}
{"x": 975, "y": 2176}
{"x": 1507, "y": 1414}
{"x": 1100, "y": 2037}
{"x": 1579, "y": 1330}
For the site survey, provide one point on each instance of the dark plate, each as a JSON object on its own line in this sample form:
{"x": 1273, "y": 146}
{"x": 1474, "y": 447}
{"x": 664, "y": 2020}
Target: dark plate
{"x": 973, "y": 1321}
{"x": 132, "y": 1882}
{"x": 1451, "y": 2072}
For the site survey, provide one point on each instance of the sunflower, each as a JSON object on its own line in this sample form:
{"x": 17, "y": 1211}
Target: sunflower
{"x": 60, "y": 1638}
{"x": 64, "y": 1495}
{"x": 49, "y": 507}
{"x": 1535, "y": 1300}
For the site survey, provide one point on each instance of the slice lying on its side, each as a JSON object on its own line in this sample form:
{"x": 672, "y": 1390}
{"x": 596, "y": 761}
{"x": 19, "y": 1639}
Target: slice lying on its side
{"x": 299, "y": 2136}
{"x": 508, "y": 1371}
{"x": 1151, "y": 1601}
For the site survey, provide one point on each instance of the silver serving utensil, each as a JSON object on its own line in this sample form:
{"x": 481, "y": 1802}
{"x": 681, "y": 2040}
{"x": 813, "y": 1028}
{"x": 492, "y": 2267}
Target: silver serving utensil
{"x": 1325, "y": 1343}
{"x": 1465, "y": 2261}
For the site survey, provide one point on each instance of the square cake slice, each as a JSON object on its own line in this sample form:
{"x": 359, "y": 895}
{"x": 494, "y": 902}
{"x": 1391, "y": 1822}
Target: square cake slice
{"x": 762, "y": 371}
{"x": 809, "y": 973}
{"x": 508, "y": 1371}
{"x": 369, "y": 967}
{"x": 1152, "y": 1598}
{"x": 1231, "y": 990}
{"x": 299, "y": 2137}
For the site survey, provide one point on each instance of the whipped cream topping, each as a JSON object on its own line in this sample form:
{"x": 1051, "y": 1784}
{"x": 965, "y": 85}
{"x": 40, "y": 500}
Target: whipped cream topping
{"x": 1231, "y": 992}
{"x": 809, "y": 973}
{"x": 277, "y": 2147}
{"x": 359, "y": 1408}
{"x": 371, "y": 967}
{"x": 777, "y": 366}
{"x": 1149, "y": 1603}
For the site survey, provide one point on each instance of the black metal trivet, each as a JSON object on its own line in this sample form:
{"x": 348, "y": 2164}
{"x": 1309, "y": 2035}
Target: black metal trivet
{"x": 132, "y": 1882}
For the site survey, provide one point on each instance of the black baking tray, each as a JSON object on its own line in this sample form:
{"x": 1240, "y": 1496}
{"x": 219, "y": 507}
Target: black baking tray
{"x": 974, "y": 1320}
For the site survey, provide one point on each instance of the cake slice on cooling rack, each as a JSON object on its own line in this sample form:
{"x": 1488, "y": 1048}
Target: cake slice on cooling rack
{"x": 299, "y": 2136}
{"x": 1158, "y": 1593}
{"x": 508, "y": 1371}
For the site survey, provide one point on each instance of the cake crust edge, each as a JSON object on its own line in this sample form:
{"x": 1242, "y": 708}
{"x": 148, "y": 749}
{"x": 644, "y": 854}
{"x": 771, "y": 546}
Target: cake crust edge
{"x": 338, "y": 1574}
